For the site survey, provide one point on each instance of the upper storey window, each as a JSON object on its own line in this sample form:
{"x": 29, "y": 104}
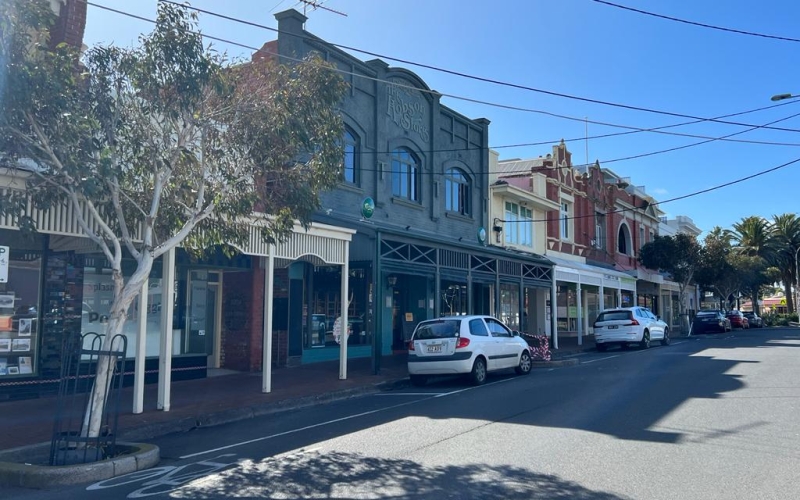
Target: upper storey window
{"x": 405, "y": 175}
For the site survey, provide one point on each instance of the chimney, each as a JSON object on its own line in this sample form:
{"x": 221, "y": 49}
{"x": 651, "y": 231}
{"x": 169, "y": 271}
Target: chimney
{"x": 71, "y": 22}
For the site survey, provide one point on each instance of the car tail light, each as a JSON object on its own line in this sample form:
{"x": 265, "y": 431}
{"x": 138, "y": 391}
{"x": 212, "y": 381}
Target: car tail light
{"x": 411, "y": 345}
{"x": 634, "y": 323}
{"x": 462, "y": 342}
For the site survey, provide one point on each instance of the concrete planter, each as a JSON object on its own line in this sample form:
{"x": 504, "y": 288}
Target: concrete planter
{"x": 24, "y": 467}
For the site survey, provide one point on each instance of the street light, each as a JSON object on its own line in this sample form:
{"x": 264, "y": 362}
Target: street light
{"x": 781, "y": 97}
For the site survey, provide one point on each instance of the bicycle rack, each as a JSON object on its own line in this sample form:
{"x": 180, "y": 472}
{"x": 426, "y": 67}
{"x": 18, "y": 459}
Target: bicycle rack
{"x": 80, "y": 358}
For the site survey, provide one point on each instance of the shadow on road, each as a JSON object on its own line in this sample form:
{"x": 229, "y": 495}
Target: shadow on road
{"x": 345, "y": 475}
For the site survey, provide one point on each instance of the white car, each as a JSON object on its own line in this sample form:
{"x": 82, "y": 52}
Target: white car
{"x": 472, "y": 345}
{"x": 629, "y": 325}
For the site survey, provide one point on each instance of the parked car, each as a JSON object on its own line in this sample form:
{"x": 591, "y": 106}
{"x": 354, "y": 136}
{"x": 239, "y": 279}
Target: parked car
{"x": 711, "y": 321}
{"x": 738, "y": 320}
{"x": 470, "y": 345}
{"x": 629, "y": 325}
{"x": 754, "y": 320}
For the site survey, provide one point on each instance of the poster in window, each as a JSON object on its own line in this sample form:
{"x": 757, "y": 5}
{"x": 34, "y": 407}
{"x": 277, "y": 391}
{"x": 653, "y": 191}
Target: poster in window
{"x": 25, "y": 366}
{"x": 25, "y": 327}
{"x": 5, "y": 345}
{"x": 13, "y": 370}
{"x": 21, "y": 345}
{"x": 6, "y": 300}
{"x": 3, "y": 366}
{"x": 5, "y": 323}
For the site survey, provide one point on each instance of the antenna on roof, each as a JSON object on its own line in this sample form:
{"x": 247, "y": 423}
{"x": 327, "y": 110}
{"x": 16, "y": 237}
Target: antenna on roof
{"x": 317, "y": 4}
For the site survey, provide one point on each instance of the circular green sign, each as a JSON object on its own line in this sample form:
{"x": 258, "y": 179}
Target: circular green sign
{"x": 367, "y": 208}
{"x": 482, "y": 235}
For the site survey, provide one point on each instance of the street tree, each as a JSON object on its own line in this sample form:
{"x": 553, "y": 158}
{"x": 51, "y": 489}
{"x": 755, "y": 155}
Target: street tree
{"x": 679, "y": 256}
{"x": 715, "y": 271}
{"x": 168, "y": 143}
{"x": 786, "y": 238}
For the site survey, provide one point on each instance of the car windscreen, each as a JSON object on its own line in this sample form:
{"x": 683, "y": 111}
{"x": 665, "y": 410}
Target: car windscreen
{"x": 706, "y": 313}
{"x": 438, "y": 329}
{"x": 614, "y": 316}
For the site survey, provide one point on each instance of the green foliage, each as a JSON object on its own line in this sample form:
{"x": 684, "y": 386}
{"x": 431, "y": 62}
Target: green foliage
{"x": 167, "y": 143}
{"x": 775, "y": 319}
{"x": 677, "y": 255}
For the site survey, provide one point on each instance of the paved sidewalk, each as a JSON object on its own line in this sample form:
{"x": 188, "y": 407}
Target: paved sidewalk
{"x": 226, "y": 398}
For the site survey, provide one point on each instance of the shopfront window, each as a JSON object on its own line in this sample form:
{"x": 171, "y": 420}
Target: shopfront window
{"x": 20, "y": 278}
{"x": 567, "y": 310}
{"x": 509, "y": 305}
{"x": 454, "y": 298}
{"x": 98, "y": 295}
{"x": 327, "y": 306}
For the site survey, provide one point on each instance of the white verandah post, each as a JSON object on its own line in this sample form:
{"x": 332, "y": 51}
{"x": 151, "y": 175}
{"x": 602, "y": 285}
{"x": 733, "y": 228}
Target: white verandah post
{"x": 165, "y": 349}
{"x": 141, "y": 350}
{"x": 266, "y": 355}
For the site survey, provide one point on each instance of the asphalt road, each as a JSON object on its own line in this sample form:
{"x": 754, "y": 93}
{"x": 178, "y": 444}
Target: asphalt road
{"x": 707, "y": 417}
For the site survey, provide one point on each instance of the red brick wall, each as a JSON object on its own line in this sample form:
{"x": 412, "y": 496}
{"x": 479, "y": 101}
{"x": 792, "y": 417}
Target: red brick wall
{"x": 70, "y": 25}
{"x": 237, "y": 315}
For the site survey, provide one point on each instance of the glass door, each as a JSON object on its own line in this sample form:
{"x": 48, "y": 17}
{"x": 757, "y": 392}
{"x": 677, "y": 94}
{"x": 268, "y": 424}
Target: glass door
{"x": 201, "y": 336}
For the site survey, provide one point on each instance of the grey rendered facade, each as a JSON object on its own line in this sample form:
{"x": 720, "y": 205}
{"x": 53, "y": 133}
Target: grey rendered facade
{"x": 422, "y": 253}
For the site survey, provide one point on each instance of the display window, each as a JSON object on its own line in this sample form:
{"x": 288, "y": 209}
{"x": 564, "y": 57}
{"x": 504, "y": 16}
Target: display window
{"x": 20, "y": 295}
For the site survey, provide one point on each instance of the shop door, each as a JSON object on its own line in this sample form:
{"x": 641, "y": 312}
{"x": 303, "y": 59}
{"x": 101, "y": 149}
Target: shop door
{"x": 202, "y": 325}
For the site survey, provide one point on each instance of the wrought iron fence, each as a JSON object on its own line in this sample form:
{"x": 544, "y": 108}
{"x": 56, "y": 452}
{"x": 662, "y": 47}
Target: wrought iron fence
{"x": 81, "y": 358}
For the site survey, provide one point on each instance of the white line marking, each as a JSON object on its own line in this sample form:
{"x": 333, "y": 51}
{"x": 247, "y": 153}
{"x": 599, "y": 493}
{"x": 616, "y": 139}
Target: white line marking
{"x": 409, "y": 393}
{"x": 601, "y": 359}
{"x": 679, "y": 343}
{"x": 342, "y": 419}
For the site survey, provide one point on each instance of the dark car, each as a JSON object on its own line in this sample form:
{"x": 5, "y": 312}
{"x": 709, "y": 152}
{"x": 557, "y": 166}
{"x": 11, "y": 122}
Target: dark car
{"x": 710, "y": 321}
{"x": 754, "y": 320}
{"x": 738, "y": 320}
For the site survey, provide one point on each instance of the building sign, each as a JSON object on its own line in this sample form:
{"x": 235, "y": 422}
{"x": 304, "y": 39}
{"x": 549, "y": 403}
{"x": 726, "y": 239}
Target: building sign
{"x": 4, "y": 264}
{"x": 407, "y": 109}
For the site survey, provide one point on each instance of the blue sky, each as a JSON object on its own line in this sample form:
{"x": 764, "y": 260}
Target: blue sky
{"x": 586, "y": 49}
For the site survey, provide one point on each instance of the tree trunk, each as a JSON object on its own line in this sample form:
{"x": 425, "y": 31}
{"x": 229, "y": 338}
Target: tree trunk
{"x": 123, "y": 298}
{"x": 787, "y": 287}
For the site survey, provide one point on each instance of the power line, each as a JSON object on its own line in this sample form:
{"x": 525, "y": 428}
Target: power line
{"x": 695, "y": 23}
{"x": 677, "y": 198}
{"x": 659, "y": 130}
{"x": 474, "y": 77}
{"x": 631, "y": 129}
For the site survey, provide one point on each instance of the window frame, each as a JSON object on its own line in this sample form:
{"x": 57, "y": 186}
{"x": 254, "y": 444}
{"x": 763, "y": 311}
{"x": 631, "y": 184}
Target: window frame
{"x": 351, "y": 139}
{"x": 565, "y": 220}
{"x": 519, "y": 224}
{"x": 408, "y": 178}
{"x": 457, "y": 192}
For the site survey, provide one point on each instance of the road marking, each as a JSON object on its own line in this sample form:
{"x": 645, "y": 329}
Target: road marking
{"x": 336, "y": 420}
{"x": 601, "y": 359}
{"x": 409, "y": 393}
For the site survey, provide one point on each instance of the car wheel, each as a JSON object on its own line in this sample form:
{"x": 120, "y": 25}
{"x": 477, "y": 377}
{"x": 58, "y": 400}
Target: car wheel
{"x": 478, "y": 373}
{"x": 525, "y": 363}
{"x": 602, "y": 347}
{"x": 645, "y": 343}
{"x": 418, "y": 380}
{"x": 666, "y": 340}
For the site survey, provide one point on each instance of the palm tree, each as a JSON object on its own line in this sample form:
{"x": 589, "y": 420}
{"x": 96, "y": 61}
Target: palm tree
{"x": 752, "y": 237}
{"x": 786, "y": 241}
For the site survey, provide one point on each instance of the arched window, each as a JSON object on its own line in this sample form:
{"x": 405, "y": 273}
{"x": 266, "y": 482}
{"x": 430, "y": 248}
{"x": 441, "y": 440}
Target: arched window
{"x": 624, "y": 240}
{"x": 405, "y": 175}
{"x": 457, "y": 191}
{"x": 352, "y": 154}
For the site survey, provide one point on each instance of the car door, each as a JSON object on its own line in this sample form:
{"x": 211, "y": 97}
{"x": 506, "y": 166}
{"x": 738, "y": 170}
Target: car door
{"x": 506, "y": 344}
{"x": 656, "y": 325}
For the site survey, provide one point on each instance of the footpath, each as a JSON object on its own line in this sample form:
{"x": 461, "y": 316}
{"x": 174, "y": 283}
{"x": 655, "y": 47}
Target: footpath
{"x": 232, "y": 396}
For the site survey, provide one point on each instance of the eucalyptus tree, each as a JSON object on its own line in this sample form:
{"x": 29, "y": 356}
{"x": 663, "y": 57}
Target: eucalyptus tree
{"x": 680, "y": 257}
{"x": 165, "y": 144}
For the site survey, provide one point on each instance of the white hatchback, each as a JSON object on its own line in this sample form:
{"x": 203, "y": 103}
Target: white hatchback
{"x": 472, "y": 345}
{"x": 629, "y": 325}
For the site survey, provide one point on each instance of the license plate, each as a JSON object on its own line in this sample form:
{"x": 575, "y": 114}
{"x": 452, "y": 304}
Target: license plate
{"x": 434, "y": 348}
{"x": 613, "y": 327}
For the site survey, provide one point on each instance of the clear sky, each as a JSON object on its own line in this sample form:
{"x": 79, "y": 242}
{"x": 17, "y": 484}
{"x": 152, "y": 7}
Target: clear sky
{"x": 585, "y": 49}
